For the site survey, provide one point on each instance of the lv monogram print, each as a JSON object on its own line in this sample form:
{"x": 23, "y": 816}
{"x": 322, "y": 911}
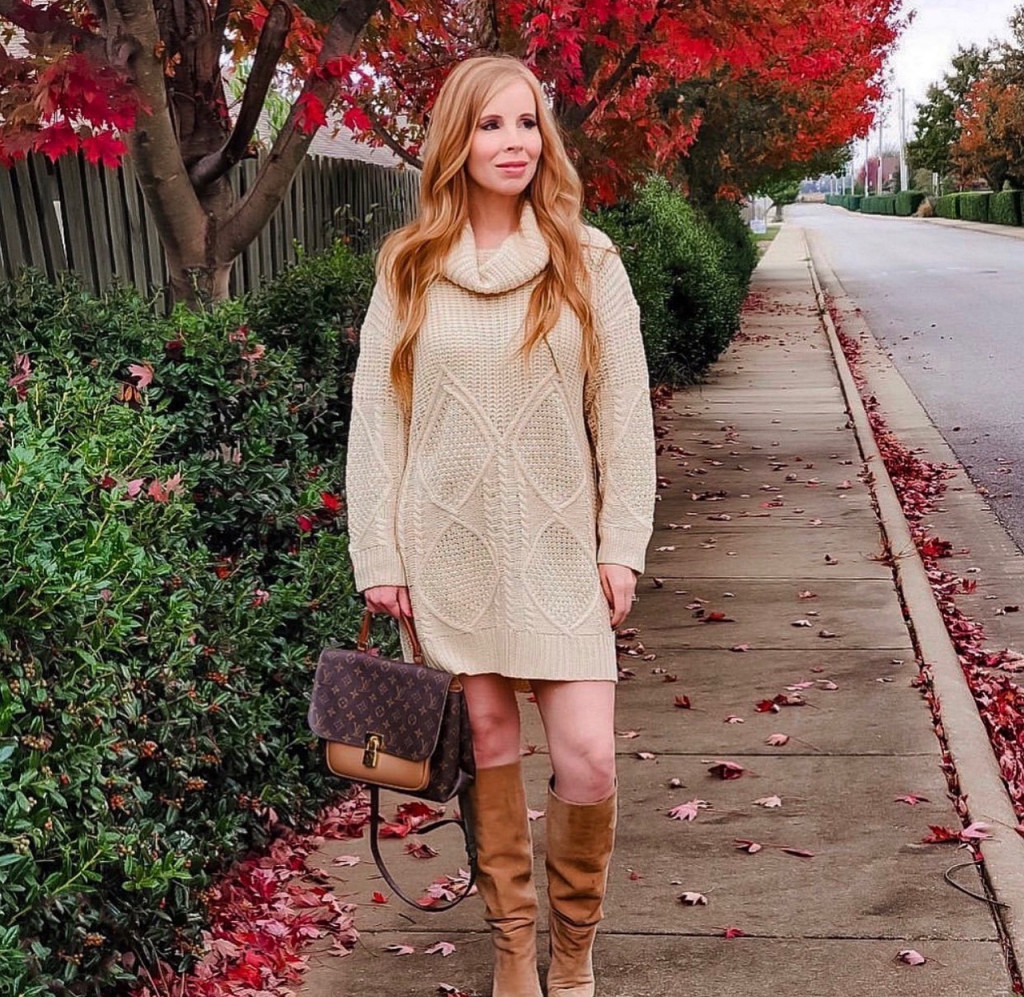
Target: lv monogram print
{"x": 412, "y": 708}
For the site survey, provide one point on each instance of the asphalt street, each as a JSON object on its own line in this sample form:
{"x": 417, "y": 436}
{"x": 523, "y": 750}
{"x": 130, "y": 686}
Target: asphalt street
{"x": 948, "y": 304}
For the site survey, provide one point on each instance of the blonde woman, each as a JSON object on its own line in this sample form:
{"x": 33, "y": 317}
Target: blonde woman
{"x": 501, "y": 483}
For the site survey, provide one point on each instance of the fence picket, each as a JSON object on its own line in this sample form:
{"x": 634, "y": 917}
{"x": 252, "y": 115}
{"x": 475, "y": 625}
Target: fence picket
{"x": 72, "y": 215}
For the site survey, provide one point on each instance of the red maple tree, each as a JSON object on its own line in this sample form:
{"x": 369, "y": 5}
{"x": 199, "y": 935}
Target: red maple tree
{"x": 146, "y": 78}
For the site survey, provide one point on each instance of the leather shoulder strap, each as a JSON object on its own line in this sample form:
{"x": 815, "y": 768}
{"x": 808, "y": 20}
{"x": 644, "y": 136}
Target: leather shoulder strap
{"x": 465, "y": 822}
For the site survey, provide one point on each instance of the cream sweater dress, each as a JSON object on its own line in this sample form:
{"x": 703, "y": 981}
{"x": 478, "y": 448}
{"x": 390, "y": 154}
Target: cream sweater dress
{"x": 491, "y": 502}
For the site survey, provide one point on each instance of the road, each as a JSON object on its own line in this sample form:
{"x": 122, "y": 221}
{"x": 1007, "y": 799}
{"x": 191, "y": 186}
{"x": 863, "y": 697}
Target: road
{"x": 948, "y": 303}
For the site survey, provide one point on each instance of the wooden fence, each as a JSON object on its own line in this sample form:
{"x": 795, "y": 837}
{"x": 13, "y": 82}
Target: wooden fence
{"x": 70, "y": 215}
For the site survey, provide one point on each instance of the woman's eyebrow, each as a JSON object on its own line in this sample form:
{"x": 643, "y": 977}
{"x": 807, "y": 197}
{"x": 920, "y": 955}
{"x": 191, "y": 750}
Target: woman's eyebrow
{"x": 499, "y": 117}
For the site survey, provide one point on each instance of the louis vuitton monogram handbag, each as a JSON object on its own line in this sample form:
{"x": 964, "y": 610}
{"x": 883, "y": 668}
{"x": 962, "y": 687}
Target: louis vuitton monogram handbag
{"x": 397, "y": 725}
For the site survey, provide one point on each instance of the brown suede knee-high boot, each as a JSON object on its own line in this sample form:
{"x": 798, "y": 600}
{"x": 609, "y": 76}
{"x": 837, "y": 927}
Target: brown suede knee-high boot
{"x": 579, "y": 848}
{"x": 505, "y": 877}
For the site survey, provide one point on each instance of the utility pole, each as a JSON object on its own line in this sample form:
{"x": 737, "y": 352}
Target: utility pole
{"x": 881, "y": 129}
{"x": 867, "y": 163}
{"x": 904, "y": 168}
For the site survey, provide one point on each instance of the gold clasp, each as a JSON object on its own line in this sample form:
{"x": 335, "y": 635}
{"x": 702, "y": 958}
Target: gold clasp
{"x": 374, "y": 743}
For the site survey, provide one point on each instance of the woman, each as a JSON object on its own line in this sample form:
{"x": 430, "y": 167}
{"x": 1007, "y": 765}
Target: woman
{"x": 501, "y": 486}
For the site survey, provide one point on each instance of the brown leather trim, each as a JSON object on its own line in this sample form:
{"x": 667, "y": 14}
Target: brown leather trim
{"x": 390, "y": 771}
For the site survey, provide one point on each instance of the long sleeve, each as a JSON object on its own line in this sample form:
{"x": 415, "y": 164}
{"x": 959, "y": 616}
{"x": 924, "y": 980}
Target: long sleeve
{"x": 377, "y": 444}
{"x": 618, "y": 404}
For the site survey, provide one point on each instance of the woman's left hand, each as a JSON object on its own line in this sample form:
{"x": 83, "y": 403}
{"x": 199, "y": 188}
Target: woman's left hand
{"x": 618, "y": 583}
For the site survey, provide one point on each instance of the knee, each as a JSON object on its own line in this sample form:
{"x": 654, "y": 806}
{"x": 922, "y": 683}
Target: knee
{"x": 495, "y": 738}
{"x": 587, "y": 775}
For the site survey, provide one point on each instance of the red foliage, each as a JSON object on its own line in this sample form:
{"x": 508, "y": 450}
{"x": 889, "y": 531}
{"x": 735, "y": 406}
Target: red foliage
{"x": 611, "y": 66}
{"x": 264, "y": 912}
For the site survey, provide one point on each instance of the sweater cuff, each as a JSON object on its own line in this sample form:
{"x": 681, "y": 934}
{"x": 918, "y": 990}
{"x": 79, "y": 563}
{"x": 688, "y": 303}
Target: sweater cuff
{"x": 628, "y": 547}
{"x": 377, "y": 566}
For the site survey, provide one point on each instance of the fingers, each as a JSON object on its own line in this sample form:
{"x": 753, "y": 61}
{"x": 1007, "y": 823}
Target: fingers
{"x": 404, "y": 602}
{"x": 390, "y": 599}
{"x": 618, "y": 584}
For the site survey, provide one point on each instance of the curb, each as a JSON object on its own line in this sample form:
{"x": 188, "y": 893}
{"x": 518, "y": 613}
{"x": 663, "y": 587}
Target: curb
{"x": 975, "y": 763}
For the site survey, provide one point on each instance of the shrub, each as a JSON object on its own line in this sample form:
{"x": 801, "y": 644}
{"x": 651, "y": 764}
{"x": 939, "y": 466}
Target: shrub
{"x": 1004, "y": 208}
{"x": 948, "y": 206}
{"x": 908, "y": 201}
{"x": 974, "y": 206}
{"x": 853, "y": 201}
{"x": 689, "y": 289}
{"x": 172, "y": 560}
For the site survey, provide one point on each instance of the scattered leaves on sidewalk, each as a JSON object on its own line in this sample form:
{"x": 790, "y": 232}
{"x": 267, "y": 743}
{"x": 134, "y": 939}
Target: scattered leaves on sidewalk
{"x": 911, "y": 957}
{"x": 399, "y": 949}
{"x": 683, "y": 703}
{"x": 941, "y": 835}
{"x": 740, "y": 648}
{"x": 731, "y": 932}
{"x": 733, "y": 719}
{"x": 688, "y": 811}
{"x": 691, "y": 899}
{"x": 726, "y": 769}
{"x": 444, "y": 949}
{"x": 768, "y": 802}
{"x": 777, "y": 740}
{"x": 646, "y": 756}
{"x": 421, "y": 850}
{"x": 346, "y": 860}
{"x": 535, "y": 814}
{"x": 378, "y": 898}
{"x": 913, "y": 799}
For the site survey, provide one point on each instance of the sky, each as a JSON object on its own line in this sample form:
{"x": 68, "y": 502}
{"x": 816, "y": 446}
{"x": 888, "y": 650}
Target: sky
{"x": 925, "y": 49}
{"x": 939, "y": 27}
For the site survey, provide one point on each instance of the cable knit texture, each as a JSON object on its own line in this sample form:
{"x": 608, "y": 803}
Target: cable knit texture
{"x": 512, "y": 478}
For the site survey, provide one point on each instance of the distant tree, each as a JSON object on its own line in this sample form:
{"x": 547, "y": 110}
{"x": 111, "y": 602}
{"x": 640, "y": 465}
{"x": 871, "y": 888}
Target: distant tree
{"x": 937, "y": 128}
{"x": 991, "y": 140}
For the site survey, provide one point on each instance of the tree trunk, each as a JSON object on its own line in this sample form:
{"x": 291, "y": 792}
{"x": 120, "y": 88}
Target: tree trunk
{"x": 184, "y": 144}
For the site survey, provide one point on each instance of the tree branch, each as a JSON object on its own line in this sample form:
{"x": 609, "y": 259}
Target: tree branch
{"x": 253, "y": 211}
{"x": 391, "y": 142}
{"x": 268, "y": 52}
{"x": 575, "y": 117}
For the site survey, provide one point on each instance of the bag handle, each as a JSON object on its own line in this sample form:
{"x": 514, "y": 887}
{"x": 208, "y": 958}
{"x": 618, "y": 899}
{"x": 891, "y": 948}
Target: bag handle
{"x": 465, "y": 822}
{"x": 363, "y": 640}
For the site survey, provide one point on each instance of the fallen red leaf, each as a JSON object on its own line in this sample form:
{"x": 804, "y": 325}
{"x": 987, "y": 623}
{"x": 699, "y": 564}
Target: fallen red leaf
{"x": 726, "y": 769}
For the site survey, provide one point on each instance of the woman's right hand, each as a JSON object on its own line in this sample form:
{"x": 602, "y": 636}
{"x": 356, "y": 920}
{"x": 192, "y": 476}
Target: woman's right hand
{"x": 390, "y": 599}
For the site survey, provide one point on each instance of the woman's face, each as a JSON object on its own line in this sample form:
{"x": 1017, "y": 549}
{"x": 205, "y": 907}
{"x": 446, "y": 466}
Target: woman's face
{"x": 506, "y": 142}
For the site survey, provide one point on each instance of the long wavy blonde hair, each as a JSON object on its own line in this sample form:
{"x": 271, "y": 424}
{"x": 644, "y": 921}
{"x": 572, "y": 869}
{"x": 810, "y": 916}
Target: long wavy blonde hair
{"x": 412, "y": 257}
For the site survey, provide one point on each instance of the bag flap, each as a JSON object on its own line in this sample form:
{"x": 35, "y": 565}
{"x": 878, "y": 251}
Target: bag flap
{"x": 356, "y": 694}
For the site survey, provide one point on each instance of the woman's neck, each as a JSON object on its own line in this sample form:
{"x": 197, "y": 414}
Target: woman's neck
{"x": 494, "y": 218}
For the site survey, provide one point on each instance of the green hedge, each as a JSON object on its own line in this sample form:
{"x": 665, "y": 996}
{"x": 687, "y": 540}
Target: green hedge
{"x": 875, "y": 204}
{"x": 1004, "y": 208}
{"x": 974, "y": 206}
{"x": 172, "y": 558}
{"x": 908, "y": 201}
{"x": 689, "y": 278}
{"x": 948, "y": 206}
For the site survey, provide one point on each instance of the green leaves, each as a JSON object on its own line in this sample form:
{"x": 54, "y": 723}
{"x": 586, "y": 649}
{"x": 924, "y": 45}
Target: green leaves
{"x": 152, "y": 700}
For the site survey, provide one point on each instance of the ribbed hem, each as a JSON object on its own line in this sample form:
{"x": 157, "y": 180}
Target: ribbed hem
{"x": 627, "y": 547}
{"x": 521, "y": 655}
{"x": 376, "y": 566}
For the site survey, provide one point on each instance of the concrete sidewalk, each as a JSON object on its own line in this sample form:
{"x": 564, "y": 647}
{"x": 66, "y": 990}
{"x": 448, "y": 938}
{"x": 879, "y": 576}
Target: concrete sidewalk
{"x": 761, "y": 505}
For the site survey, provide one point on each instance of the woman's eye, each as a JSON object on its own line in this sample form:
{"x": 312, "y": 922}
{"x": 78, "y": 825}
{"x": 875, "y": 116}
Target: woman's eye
{"x": 530, "y": 123}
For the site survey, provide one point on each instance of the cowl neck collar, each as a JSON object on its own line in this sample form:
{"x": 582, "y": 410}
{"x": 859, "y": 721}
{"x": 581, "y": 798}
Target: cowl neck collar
{"x": 517, "y": 261}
